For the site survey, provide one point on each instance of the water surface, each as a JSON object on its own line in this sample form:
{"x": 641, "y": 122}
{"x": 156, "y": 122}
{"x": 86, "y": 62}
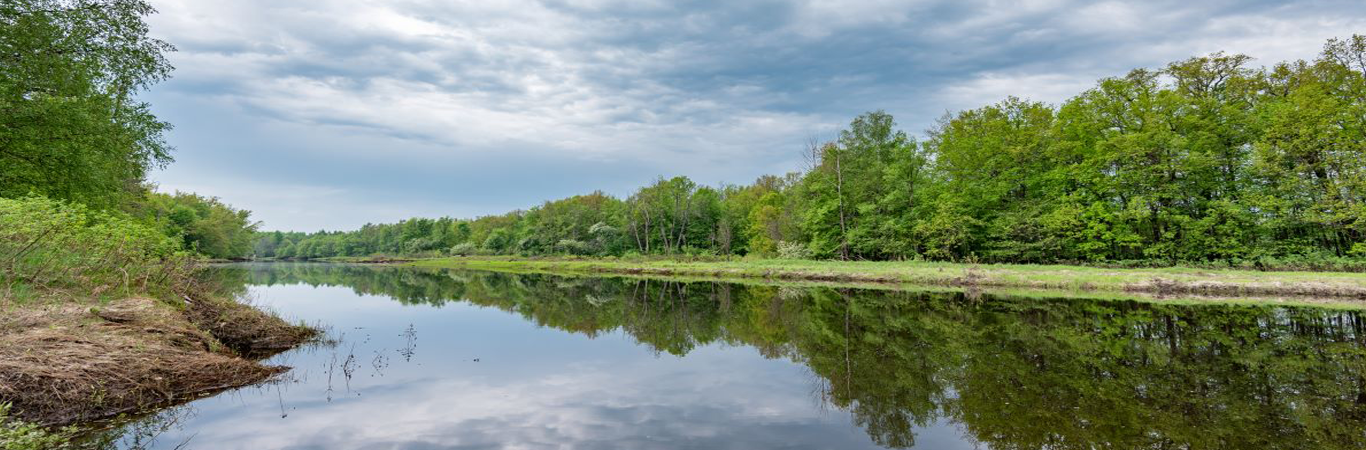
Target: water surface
{"x": 443, "y": 359}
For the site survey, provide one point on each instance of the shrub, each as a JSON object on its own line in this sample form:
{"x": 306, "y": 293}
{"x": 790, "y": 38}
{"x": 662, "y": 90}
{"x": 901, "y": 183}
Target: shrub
{"x": 464, "y": 249}
{"x": 793, "y": 250}
{"x": 697, "y": 252}
{"x": 49, "y": 245}
{"x": 572, "y": 247}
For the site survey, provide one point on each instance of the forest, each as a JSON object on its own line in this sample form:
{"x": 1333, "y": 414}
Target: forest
{"x": 1208, "y": 160}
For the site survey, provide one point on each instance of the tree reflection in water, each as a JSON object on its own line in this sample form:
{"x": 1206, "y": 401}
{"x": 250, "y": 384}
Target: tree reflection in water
{"x": 1015, "y": 373}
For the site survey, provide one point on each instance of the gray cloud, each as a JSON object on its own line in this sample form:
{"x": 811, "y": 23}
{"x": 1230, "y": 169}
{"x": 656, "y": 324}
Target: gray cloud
{"x": 422, "y": 107}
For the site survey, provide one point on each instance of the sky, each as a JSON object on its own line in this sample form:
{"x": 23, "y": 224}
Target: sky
{"x": 329, "y": 114}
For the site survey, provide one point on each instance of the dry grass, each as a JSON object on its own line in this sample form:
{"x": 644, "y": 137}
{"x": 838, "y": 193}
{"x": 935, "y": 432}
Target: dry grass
{"x": 245, "y": 328}
{"x": 64, "y": 362}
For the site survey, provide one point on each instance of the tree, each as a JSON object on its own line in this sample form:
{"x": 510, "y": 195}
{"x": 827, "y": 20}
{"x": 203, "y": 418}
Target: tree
{"x": 71, "y": 127}
{"x": 205, "y": 225}
{"x": 990, "y": 165}
{"x": 765, "y": 225}
{"x": 850, "y": 187}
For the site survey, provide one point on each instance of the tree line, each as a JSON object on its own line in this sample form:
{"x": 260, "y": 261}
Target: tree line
{"x": 73, "y": 130}
{"x": 1206, "y": 160}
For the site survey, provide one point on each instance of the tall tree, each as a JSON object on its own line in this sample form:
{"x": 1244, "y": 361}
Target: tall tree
{"x": 70, "y": 124}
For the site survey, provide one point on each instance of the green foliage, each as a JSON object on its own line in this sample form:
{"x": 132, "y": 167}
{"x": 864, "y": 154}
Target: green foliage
{"x": 71, "y": 126}
{"x": 52, "y": 245}
{"x": 793, "y": 250}
{"x": 571, "y": 247}
{"x": 765, "y": 224}
{"x": 464, "y": 249}
{"x": 17, "y": 435}
{"x": 203, "y": 225}
{"x": 862, "y": 191}
{"x": 72, "y": 129}
{"x": 499, "y": 241}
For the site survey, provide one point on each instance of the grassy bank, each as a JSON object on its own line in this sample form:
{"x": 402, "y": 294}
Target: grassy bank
{"x": 101, "y": 316}
{"x": 1159, "y": 281}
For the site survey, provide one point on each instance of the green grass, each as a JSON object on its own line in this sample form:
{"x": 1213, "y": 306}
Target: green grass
{"x": 1338, "y": 286}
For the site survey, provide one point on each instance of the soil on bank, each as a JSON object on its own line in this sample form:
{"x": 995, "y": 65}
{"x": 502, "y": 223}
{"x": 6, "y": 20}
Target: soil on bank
{"x": 67, "y": 362}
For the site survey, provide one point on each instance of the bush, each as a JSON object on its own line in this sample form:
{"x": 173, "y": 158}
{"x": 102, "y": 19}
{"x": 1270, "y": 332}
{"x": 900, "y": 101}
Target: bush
{"x": 464, "y": 249}
{"x": 50, "y": 245}
{"x": 572, "y": 247}
{"x": 697, "y": 252}
{"x": 793, "y": 250}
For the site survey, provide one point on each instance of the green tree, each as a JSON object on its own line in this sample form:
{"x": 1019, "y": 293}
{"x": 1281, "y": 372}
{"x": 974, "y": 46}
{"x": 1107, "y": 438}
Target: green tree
{"x": 71, "y": 126}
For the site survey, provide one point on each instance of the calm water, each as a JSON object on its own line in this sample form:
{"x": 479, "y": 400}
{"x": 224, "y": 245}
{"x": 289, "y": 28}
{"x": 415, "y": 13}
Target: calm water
{"x": 429, "y": 359}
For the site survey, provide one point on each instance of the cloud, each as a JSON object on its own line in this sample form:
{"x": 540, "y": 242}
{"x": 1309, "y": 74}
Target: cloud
{"x": 720, "y": 91}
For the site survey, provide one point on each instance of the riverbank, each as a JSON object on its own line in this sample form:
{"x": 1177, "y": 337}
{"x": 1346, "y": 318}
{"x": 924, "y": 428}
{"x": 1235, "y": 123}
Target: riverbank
{"x": 65, "y": 361}
{"x": 1339, "y": 286}
{"x": 102, "y": 315}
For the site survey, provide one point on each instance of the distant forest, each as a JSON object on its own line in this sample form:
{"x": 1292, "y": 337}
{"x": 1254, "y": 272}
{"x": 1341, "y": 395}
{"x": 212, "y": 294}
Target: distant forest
{"x": 1207, "y": 160}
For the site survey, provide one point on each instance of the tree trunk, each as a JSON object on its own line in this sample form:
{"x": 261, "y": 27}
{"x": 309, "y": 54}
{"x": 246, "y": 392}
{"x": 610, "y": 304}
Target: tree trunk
{"x": 839, "y": 192}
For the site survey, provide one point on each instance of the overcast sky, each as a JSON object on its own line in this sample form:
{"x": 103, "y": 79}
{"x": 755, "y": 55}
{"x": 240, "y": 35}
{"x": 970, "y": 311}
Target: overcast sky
{"x": 328, "y": 114}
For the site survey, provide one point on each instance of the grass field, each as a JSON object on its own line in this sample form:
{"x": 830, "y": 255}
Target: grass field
{"x": 1343, "y": 287}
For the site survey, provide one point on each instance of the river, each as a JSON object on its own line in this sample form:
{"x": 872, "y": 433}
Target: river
{"x": 447, "y": 359}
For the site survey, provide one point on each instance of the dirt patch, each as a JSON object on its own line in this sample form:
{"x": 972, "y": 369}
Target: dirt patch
{"x": 66, "y": 363}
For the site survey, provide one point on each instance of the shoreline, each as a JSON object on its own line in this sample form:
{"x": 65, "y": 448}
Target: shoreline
{"x": 66, "y": 362}
{"x": 1337, "y": 288}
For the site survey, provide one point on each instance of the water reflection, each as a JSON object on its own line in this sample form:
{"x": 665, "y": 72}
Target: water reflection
{"x": 908, "y": 369}
{"x": 142, "y": 432}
